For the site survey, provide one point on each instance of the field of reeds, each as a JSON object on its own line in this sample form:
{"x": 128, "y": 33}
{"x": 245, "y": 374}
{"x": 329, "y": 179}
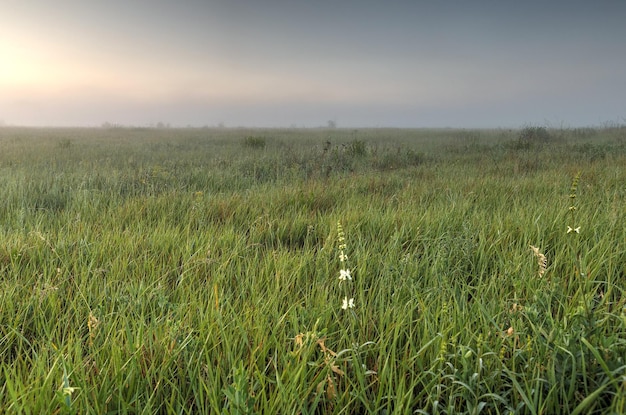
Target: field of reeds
{"x": 327, "y": 271}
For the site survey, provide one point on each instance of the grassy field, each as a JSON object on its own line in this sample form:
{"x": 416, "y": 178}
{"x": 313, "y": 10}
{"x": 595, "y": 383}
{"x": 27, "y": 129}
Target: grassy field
{"x": 312, "y": 271}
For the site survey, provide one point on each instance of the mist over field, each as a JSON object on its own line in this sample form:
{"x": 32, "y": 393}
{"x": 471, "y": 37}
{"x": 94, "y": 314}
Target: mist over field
{"x": 482, "y": 64}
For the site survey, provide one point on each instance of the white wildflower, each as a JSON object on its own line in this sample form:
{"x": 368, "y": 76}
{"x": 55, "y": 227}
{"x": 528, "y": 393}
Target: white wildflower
{"x": 347, "y": 303}
{"x": 344, "y": 275}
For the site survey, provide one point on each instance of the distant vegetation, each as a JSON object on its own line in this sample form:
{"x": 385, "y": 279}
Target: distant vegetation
{"x": 312, "y": 271}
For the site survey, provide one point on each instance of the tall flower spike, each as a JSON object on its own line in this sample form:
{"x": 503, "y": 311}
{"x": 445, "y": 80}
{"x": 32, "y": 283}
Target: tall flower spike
{"x": 341, "y": 237}
{"x": 542, "y": 261}
{"x": 572, "y": 192}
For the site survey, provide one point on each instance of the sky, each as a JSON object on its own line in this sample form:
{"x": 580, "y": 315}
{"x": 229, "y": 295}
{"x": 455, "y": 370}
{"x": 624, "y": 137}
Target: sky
{"x": 285, "y": 63}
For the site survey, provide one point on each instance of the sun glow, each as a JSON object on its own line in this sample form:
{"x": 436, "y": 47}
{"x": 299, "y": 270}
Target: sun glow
{"x": 20, "y": 67}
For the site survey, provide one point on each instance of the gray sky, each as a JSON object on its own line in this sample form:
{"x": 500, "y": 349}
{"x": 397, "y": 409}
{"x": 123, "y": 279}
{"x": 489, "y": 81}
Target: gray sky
{"x": 362, "y": 63}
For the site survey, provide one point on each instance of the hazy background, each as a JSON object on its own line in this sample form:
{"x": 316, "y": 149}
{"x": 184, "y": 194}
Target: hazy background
{"x": 301, "y": 63}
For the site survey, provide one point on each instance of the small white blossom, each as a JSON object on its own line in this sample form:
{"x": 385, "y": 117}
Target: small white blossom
{"x": 69, "y": 390}
{"x": 343, "y": 257}
{"x": 344, "y": 275}
{"x": 570, "y": 229}
{"x": 347, "y": 303}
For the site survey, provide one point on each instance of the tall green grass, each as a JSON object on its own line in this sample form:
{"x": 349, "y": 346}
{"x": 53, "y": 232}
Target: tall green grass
{"x": 197, "y": 271}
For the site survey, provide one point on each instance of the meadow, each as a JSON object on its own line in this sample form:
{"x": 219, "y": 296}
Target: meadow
{"x": 310, "y": 271}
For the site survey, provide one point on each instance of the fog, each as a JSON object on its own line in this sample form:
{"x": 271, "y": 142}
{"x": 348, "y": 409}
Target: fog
{"x": 361, "y": 63}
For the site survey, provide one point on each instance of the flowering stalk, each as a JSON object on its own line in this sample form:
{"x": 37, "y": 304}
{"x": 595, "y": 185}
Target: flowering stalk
{"x": 573, "y": 230}
{"x": 572, "y": 208}
{"x": 542, "y": 261}
{"x": 345, "y": 275}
